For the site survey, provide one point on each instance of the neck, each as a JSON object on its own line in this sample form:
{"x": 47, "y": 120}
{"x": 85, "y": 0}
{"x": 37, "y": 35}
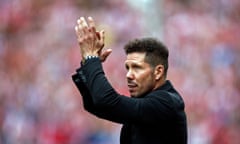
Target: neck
{"x": 159, "y": 83}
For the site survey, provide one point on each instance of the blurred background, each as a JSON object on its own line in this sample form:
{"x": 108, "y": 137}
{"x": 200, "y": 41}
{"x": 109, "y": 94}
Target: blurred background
{"x": 39, "y": 103}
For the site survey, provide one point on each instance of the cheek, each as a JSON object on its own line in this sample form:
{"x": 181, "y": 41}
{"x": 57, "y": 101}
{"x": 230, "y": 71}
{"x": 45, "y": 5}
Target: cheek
{"x": 146, "y": 81}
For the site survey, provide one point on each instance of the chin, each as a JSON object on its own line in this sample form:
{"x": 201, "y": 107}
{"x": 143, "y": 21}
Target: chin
{"x": 135, "y": 95}
{"x": 138, "y": 95}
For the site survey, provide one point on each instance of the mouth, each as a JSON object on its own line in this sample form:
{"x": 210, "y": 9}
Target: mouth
{"x": 132, "y": 86}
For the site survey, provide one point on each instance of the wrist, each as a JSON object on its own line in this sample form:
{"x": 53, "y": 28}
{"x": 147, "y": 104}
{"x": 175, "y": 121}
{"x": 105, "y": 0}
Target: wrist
{"x": 88, "y": 57}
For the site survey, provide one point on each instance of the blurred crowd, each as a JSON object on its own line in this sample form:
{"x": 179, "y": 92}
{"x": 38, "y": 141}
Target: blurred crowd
{"x": 39, "y": 103}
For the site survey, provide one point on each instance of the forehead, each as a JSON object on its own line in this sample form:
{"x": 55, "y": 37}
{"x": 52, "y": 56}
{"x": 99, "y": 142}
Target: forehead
{"x": 137, "y": 57}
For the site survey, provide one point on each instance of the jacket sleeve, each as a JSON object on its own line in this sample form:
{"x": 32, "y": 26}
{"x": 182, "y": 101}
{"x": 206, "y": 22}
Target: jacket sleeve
{"x": 86, "y": 97}
{"x": 110, "y": 105}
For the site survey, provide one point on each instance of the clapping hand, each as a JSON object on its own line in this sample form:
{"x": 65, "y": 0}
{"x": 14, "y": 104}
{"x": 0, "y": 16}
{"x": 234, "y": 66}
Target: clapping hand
{"x": 91, "y": 42}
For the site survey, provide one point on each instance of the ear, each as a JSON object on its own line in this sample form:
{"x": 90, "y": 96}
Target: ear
{"x": 159, "y": 72}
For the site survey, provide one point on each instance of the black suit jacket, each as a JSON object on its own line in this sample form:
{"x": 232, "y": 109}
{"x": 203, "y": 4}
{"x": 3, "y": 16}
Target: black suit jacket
{"x": 156, "y": 118}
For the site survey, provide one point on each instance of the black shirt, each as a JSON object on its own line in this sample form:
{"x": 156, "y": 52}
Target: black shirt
{"x": 156, "y": 118}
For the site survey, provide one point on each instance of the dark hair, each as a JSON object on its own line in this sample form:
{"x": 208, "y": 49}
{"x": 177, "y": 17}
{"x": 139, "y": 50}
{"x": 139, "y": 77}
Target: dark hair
{"x": 156, "y": 52}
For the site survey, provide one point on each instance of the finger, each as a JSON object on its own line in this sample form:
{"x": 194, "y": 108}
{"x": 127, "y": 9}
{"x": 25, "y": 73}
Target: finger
{"x": 83, "y": 26}
{"x": 78, "y": 28}
{"x": 79, "y": 35}
{"x": 98, "y": 35}
{"x": 82, "y": 22}
{"x": 77, "y": 31}
{"x": 91, "y": 24}
{"x": 102, "y": 36}
{"x": 105, "y": 54}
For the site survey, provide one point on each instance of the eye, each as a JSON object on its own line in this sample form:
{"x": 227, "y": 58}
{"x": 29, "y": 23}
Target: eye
{"x": 136, "y": 67}
{"x": 127, "y": 67}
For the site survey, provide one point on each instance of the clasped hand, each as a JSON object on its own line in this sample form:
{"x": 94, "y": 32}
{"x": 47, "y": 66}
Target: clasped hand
{"x": 91, "y": 42}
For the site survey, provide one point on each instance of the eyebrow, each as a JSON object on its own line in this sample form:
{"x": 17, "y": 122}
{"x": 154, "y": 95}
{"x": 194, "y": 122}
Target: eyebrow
{"x": 133, "y": 64}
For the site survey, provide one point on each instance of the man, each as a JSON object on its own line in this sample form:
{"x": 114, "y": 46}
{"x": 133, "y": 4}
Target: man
{"x": 154, "y": 114}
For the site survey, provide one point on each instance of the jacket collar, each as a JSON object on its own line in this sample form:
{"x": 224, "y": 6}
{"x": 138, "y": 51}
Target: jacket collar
{"x": 166, "y": 86}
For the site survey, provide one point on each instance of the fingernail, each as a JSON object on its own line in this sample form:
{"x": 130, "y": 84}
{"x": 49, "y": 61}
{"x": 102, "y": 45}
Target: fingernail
{"x": 89, "y": 18}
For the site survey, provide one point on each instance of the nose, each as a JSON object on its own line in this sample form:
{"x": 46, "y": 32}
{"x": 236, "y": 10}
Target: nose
{"x": 129, "y": 75}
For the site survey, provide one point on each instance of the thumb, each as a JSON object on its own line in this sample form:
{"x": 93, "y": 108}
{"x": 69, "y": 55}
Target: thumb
{"x": 105, "y": 54}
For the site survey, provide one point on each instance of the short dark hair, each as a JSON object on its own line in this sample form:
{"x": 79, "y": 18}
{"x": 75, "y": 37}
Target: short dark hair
{"x": 156, "y": 52}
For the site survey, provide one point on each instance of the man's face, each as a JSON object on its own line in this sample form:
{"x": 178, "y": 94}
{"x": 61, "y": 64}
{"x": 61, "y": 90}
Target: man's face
{"x": 140, "y": 75}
